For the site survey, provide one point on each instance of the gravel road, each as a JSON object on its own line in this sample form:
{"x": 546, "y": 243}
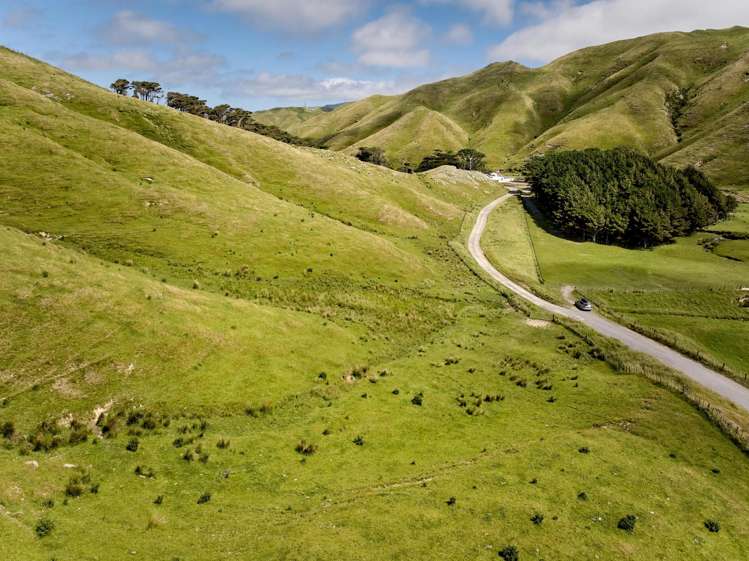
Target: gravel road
{"x": 706, "y": 377}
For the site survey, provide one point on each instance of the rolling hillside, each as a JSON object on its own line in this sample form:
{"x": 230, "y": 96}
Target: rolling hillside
{"x": 678, "y": 96}
{"x": 217, "y": 346}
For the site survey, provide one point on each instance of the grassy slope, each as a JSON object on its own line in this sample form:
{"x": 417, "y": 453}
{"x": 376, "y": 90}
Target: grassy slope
{"x": 603, "y": 96}
{"x": 688, "y": 294}
{"x": 286, "y": 118}
{"x": 86, "y": 320}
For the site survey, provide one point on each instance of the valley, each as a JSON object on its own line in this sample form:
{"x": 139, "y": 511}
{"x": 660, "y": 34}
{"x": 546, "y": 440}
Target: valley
{"x": 215, "y": 345}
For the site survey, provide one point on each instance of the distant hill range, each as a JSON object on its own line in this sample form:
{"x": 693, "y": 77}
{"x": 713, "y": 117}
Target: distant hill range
{"x": 680, "y": 97}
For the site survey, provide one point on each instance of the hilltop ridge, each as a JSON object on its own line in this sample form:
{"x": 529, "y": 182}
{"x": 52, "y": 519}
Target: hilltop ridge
{"x": 657, "y": 93}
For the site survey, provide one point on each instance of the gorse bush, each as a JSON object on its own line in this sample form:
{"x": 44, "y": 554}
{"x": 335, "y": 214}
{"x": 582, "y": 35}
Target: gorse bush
{"x": 623, "y": 197}
{"x": 44, "y": 527}
{"x": 146, "y": 472}
{"x": 79, "y": 483}
{"x": 627, "y": 523}
{"x": 372, "y": 155}
{"x": 305, "y": 448}
{"x": 509, "y": 553}
{"x": 7, "y": 429}
{"x": 712, "y": 526}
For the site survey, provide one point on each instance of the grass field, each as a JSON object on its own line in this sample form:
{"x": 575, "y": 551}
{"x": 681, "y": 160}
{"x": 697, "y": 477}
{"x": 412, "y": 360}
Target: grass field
{"x": 461, "y": 478}
{"x": 685, "y": 292}
{"x": 217, "y": 346}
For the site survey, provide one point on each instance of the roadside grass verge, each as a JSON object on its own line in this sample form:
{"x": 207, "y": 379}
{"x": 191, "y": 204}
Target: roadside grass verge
{"x": 733, "y": 421}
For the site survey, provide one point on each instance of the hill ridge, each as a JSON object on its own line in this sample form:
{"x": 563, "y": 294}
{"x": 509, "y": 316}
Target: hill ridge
{"x": 614, "y": 94}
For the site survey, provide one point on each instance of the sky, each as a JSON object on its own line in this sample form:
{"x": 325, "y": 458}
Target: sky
{"x": 258, "y": 54}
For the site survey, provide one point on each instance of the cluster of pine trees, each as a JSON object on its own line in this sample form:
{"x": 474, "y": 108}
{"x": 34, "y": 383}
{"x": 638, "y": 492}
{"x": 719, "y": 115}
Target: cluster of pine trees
{"x": 623, "y": 197}
{"x": 467, "y": 158}
{"x": 225, "y": 114}
{"x": 230, "y": 116}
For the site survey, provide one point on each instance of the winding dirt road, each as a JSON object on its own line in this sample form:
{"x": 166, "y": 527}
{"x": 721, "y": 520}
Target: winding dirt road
{"x": 710, "y": 379}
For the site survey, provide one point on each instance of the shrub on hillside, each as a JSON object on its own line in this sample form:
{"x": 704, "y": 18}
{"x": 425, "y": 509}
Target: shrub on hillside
{"x": 623, "y": 197}
{"x": 44, "y": 527}
{"x": 8, "y": 429}
{"x": 372, "y": 155}
{"x": 712, "y": 526}
{"x": 305, "y": 448}
{"x": 627, "y": 523}
{"x": 78, "y": 483}
{"x": 509, "y": 553}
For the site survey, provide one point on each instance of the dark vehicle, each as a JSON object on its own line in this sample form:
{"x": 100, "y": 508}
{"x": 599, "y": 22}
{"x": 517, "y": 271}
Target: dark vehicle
{"x": 584, "y": 305}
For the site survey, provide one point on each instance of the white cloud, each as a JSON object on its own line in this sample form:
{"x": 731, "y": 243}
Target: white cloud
{"x": 130, "y": 28}
{"x": 494, "y": 11}
{"x": 297, "y": 15}
{"x": 459, "y": 34}
{"x": 568, "y": 27}
{"x": 396, "y": 40}
{"x": 304, "y": 88}
{"x": 18, "y": 18}
{"x": 545, "y": 9}
{"x": 177, "y": 69}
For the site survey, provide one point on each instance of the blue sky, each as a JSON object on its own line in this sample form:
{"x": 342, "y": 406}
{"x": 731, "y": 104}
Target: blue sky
{"x": 266, "y": 53}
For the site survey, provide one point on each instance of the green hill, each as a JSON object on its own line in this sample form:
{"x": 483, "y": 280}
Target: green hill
{"x": 679, "y": 96}
{"x": 217, "y": 346}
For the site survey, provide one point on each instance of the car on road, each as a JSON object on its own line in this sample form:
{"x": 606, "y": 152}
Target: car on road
{"x": 584, "y": 305}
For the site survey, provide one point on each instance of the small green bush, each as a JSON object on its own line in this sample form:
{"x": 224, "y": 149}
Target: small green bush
{"x": 77, "y": 484}
{"x": 359, "y": 440}
{"x": 223, "y": 444}
{"x": 8, "y": 429}
{"x": 509, "y": 553}
{"x": 305, "y": 448}
{"x": 627, "y": 523}
{"x": 537, "y": 519}
{"x": 418, "y": 399}
{"x": 143, "y": 471}
{"x": 44, "y": 527}
{"x": 133, "y": 445}
{"x": 712, "y": 526}
{"x": 204, "y": 498}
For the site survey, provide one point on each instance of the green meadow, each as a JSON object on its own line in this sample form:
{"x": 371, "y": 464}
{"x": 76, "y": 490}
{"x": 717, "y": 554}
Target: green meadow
{"x": 217, "y": 346}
